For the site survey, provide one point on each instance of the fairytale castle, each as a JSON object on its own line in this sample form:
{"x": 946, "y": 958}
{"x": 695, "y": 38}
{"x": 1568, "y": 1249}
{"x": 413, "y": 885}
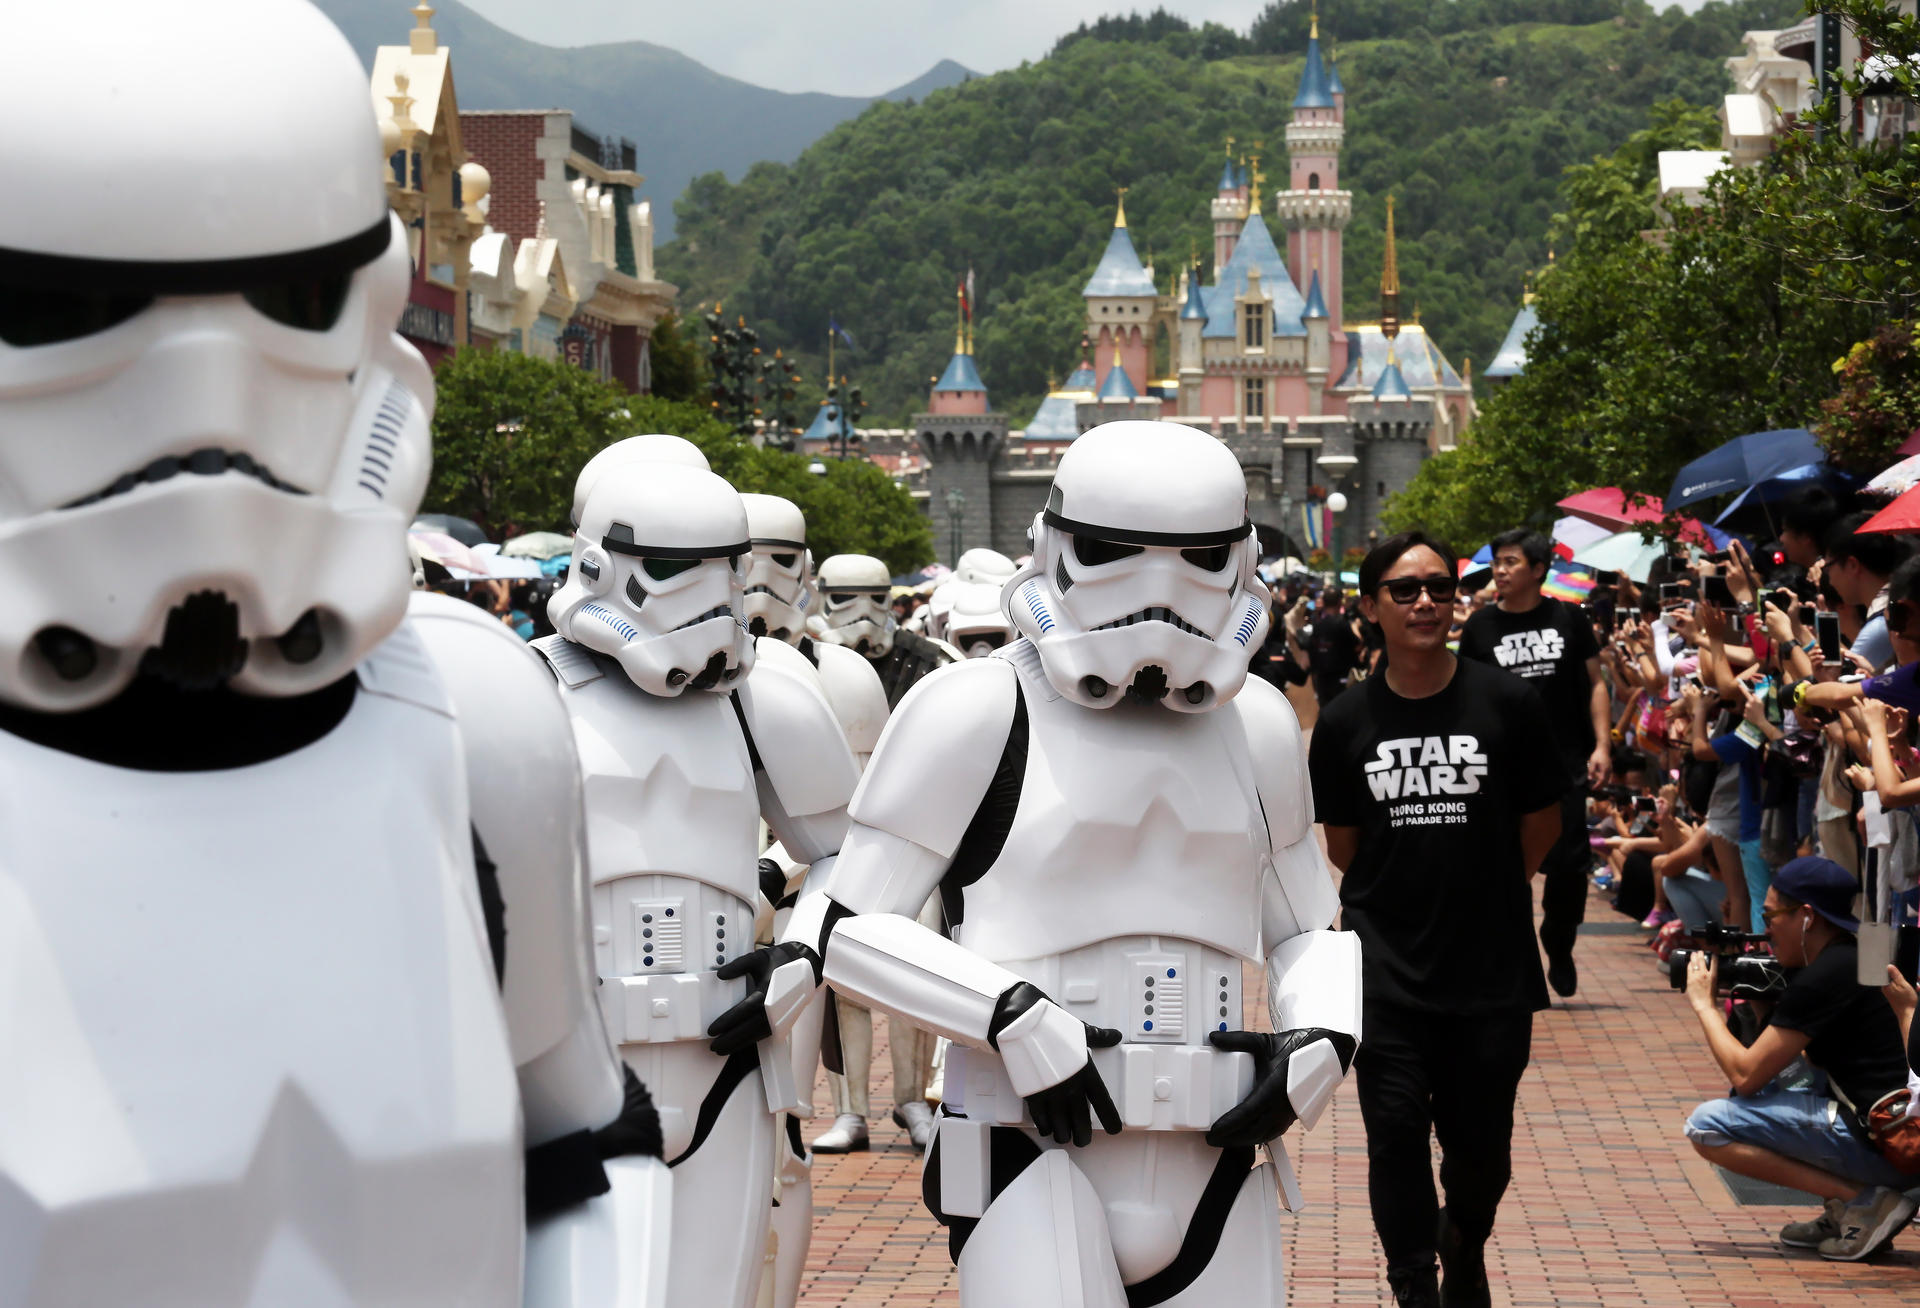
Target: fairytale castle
{"x": 1264, "y": 357}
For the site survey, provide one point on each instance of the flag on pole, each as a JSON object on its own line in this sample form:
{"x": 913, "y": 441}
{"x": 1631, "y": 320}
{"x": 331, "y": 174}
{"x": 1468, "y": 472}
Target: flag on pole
{"x": 970, "y": 294}
{"x": 966, "y": 309}
{"x": 835, "y": 329}
{"x": 1313, "y": 527}
{"x": 1568, "y": 581}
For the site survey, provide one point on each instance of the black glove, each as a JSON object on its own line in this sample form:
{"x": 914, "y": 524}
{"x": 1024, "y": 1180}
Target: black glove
{"x": 1064, "y": 1111}
{"x": 745, "y": 1024}
{"x": 1266, "y": 1111}
{"x": 773, "y": 881}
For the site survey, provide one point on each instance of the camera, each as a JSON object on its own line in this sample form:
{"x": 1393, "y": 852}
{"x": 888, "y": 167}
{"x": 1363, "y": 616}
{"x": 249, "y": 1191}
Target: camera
{"x": 1748, "y": 969}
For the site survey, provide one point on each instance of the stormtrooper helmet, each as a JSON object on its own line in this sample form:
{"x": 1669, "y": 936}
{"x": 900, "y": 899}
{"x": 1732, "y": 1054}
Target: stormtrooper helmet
{"x": 1142, "y": 581}
{"x": 779, "y": 570}
{"x": 966, "y": 611}
{"x": 659, "y": 560}
{"x": 214, "y": 439}
{"x": 654, "y": 447}
{"x": 853, "y": 604}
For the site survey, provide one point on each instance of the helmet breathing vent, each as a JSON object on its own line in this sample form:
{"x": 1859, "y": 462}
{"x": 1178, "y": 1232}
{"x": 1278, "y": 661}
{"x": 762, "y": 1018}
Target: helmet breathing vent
{"x": 1248, "y": 622}
{"x": 1037, "y": 606}
{"x": 383, "y": 441}
{"x": 626, "y": 629}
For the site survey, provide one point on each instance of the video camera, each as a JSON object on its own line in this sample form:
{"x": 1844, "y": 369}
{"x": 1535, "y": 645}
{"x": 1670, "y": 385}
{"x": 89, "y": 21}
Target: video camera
{"x": 1748, "y": 969}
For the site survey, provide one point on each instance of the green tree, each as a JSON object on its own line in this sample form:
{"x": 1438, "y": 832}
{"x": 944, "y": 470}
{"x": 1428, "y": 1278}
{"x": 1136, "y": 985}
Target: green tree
{"x": 509, "y": 433}
{"x": 1878, "y": 404}
{"x": 679, "y": 371}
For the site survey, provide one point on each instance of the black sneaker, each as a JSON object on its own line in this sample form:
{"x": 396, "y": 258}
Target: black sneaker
{"x": 1415, "y": 1287}
{"x": 1463, "y": 1267}
{"x": 1563, "y": 976}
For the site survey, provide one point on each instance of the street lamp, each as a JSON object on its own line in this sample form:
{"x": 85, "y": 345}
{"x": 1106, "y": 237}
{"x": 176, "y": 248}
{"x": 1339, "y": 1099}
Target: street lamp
{"x": 956, "y": 505}
{"x": 1337, "y": 505}
{"x": 817, "y": 468}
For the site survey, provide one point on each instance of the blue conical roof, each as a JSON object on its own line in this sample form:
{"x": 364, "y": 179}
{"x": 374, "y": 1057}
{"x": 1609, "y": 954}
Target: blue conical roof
{"x": 1511, "y": 361}
{"x": 1118, "y": 386}
{"x": 1196, "y": 305}
{"x": 961, "y": 375}
{"x": 1334, "y": 84}
{"x": 1391, "y": 386}
{"x": 1229, "y": 177}
{"x": 825, "y": 425}
{"x": 1316, "y": 87}
{"x": 1080, "y": 379}
{"x": 1255, "y": 249}
{"x": 1120, "y": 271}
{"x": 1056, "y": 419}
{"x": 1316, "y": 303}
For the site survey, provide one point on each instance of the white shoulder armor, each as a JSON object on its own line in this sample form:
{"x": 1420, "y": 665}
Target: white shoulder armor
{"x": 802, "y": 750}
{"x": 1279, "y": 760}
{"x": 524, "y": 780}
{"x": 858, "y": 698}
{"x": 938, "y": 754}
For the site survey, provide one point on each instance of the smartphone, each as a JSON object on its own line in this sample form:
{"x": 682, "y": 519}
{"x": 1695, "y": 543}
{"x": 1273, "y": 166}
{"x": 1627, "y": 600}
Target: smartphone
{"x": 1714, "y": 590}
{"x": 1643, "y": 803}
{"x": 1606, "y": 579}
{"x": 1806, "y": 614}
{"x": 1672, "y": 593}
{"x": 1719, "y": 556}
{"x": 1826, "y": 626}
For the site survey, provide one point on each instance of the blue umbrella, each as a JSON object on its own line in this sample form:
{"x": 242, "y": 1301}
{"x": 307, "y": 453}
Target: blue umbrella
{"x": 1743, "y": 462}
{"x": 1777, "y": 488}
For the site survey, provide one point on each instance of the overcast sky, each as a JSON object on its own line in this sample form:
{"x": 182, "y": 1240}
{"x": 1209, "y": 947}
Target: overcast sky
{"x": 850, "y": 47}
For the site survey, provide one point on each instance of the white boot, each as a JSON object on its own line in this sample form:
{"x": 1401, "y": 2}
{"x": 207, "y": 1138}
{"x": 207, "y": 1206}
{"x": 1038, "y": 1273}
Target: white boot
{"x": 847, "y": 1135}
{"x": 916, "y": 1117}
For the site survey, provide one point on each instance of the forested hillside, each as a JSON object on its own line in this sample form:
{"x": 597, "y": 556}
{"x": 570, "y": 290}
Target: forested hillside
{"x": 1465, "y": 113}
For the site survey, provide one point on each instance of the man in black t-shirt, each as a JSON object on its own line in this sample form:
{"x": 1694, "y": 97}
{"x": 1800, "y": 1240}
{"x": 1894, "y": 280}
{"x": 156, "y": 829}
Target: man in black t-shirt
{"x": 1551, "y": 645}
{"x": 1796, "y": 1138}
{"x": 1440, "y": 790}
{"x": 1332, "y": 647}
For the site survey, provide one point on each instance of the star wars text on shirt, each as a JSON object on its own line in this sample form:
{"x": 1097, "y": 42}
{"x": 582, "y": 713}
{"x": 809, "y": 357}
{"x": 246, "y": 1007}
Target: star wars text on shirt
{"x": 1530, "y": 653}
{"x": 1424, "y": 769}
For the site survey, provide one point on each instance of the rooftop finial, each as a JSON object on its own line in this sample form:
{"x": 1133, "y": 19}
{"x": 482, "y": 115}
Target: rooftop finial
{"x": 422, "y": 39}
{"x": 1390, "y": 286}
{"x": 1313, "y": 33}
{"x": 1120, "y": 205}
{"x": 1253, "y": 194}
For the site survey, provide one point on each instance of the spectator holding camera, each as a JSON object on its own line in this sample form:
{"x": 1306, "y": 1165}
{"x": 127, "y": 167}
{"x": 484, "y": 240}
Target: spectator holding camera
{"x": 1858, "y": 566}
{"x": 1551, "y": 645}
{"x": 1796, "y": 1138}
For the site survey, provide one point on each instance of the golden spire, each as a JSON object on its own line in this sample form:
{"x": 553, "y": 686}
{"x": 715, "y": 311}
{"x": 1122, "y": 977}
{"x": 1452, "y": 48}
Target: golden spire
{"x": 1313, "y": 33}
{"x": 959, "y": 320}
{"x": 1390, "y": 286}
{"x": 1253, "y": 195}
{"x": 1120, "y": 205}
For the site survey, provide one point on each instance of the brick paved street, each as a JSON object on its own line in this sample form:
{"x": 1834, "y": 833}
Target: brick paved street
{"x": 1608, "y": 1206}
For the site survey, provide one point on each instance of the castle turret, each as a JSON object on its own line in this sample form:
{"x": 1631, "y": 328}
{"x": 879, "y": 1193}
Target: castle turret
{"x": 1193, "y": 320}
{"x": 1121, "y": 299}
{"x": 1319, "y": 347}
{"x": 959, "y": 389}
{"x": 1313, "y": 208}
{"x": 1229, "y": 208}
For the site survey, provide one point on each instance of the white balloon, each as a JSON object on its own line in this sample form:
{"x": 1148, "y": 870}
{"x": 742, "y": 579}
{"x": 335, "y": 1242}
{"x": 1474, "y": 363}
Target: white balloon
{"x": 1337, "y": 502}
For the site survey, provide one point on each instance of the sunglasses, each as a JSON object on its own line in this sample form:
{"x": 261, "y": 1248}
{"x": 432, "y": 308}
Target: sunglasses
{"x": 1440, "y": 588}
{"x": 1768, "y": 915}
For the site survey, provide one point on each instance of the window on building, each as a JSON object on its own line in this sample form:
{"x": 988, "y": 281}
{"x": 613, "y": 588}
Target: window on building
{"x": 1256, "y": 397}
{"x": 1256, "y": 329}
{"x": 1313, "y": 181}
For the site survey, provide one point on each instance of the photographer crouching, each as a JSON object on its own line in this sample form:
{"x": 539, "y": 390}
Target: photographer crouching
{"x": 1798, "y": 1138}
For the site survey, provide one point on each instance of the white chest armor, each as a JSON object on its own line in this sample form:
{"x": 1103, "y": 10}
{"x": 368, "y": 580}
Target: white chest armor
{"x": 672, "y": 822}
{"x": 1132, "y": 821}
{"x": 253, "y": 1051}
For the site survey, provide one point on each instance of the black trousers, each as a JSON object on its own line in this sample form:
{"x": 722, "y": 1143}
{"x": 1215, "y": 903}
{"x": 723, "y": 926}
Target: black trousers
{"x": 1455, "y": 1077}
{"x": 1563, "y": 897}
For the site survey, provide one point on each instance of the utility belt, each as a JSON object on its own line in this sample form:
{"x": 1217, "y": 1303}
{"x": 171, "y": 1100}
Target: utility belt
{"x": 668, "y": 1008}
{"x": 1155, "y": 1087}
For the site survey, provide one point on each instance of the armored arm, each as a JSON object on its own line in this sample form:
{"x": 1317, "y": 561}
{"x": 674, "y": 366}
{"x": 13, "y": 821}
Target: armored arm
{"x": 1313, "y": 972}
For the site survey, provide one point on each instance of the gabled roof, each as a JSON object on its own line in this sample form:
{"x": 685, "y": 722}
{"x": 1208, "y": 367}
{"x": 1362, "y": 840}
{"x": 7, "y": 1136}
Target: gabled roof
{"x": 1316, "y": 89}
{"x": 1056, "y": 419}
{"x": 961, "y": 375}
{"x": 1196, "y": 305}
{"x": 1118, "y": 386}
{"x": 1316, "y": 303}
{"x": 1511, "y": 361}
{"x": 1255, "y": 249}
{"x": 1422, "y": 366}
{"x": 1080, "y": 379}
{"x": 1120, "y": 271}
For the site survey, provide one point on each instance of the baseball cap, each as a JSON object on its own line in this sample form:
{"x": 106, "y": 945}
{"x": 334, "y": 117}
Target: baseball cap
{"x": 1822, "y": 885}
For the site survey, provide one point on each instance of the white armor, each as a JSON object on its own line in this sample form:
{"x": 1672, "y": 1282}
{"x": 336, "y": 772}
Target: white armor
{"x": 676, "y": 784}
{"x": 779, "y": 582}
{"x": 1148, "y": 855}
{"x": 965, "y": 610}
{"x": 264, "y": 1045}
{"x": 653, "y": 447}
{"x": 853, "y": 610}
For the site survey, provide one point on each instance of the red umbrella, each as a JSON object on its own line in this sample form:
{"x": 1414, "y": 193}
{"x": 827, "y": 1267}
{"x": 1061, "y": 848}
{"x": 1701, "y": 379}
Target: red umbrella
{"x": 1911, "y": 445}
{"x": 1607, "y": 506}
{"x": 1901, "y": 515}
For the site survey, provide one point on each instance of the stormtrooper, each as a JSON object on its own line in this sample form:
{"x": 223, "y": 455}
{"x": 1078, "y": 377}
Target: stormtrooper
{"x": 855, "y": 615}
{"x": 779, "y": 590}
{"x": 292, "y": 912}
{"x": 690, "y": 732}
{"x": 1129, "y": 822}
{"x": 964, "y": 612}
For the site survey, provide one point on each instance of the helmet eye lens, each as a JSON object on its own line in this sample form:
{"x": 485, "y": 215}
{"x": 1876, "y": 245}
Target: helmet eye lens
{"x": 310, "y": 306}
{"x": 29, "y": 317}
{"x": 1092, "y": 551}
{"x": 1211, "y": 557}
{"x": 661, "y": 569}
{"x": 785, "y": 560}
{"x": 841, "y": 599}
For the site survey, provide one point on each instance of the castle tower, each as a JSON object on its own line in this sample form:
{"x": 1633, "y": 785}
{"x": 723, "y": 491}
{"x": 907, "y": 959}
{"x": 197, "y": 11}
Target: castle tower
{"x": 1193, "y": 320}
{"x": 1319, "y": 348}
{"x": 1229, "y": 209}
{"x": 1313, "y": 208}
{"x": 1121, "y": 300}
{"x": 962, "y": 440}
{"x": 959, "y": 389}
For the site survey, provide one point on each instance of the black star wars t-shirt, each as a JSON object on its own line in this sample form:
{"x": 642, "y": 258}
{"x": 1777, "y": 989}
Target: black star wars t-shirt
{"x": 1548, "y": 645}
{"x": 1437, "y": 890}
{"x": 1852, "y": 1034}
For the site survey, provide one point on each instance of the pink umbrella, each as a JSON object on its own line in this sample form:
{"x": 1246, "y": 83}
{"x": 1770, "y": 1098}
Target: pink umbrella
{"x": 1608, "y": 506}
{"x": 448, "y": 552}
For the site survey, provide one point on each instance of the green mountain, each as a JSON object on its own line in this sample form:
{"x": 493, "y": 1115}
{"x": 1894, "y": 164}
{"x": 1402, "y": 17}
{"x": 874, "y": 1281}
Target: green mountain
{"x": 686, "y": 118}
{"x": 1466, "y": 114}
